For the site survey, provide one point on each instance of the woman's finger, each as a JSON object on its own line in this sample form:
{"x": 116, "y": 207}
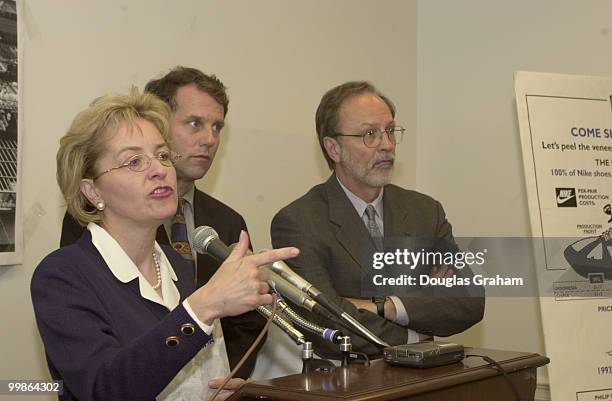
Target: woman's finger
{"x": 272, "y": 256}
{"x": 241, "y": 248}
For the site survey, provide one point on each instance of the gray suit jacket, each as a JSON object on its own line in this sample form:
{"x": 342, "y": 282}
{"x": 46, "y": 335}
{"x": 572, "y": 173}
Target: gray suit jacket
{"x": 333, "y": 240}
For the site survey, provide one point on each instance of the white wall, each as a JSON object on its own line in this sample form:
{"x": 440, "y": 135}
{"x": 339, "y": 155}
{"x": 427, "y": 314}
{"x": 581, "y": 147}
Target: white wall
{"x": 278, "y": 57}
{"x": 468, "y": 147}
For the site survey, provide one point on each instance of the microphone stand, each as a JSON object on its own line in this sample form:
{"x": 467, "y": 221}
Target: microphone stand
{"x": 309, "y": 363}
{"x": 284, "y": 325}
{"x": 328, "y": 334}
{"x": 331, "y": 335}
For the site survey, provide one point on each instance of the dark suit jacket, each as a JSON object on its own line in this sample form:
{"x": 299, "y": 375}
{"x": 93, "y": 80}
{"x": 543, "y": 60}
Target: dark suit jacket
{"x": 333, "y": 241}
{"x": 101, "y": 337}
{"x": 239, "y": 331}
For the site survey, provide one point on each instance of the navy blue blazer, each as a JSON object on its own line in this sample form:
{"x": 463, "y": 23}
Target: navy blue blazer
{"x": 101, "y": 337}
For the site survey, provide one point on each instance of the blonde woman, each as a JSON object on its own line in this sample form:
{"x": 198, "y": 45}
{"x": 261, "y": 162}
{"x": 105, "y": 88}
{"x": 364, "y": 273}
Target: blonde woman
{"x": 119, "y": 315}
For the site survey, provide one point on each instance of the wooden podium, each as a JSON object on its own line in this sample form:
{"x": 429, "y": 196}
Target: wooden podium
{"x": 472, "y": 379}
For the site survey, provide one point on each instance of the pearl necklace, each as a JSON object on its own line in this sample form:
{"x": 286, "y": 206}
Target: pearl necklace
{"x": 157, "y": 271}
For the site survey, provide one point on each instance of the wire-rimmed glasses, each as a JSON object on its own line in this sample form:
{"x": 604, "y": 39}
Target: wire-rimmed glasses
{"x": 141, "y": 162}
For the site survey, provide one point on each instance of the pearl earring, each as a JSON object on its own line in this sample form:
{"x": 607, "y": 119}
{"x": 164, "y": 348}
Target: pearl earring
{"x": 100, "y": 205}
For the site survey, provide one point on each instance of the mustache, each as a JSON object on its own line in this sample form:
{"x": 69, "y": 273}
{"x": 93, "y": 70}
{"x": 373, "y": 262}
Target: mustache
{"x": 387, "y": 157}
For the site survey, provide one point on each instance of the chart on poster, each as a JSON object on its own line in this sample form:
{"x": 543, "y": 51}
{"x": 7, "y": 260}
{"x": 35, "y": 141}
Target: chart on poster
{"x": 566, "y": 135}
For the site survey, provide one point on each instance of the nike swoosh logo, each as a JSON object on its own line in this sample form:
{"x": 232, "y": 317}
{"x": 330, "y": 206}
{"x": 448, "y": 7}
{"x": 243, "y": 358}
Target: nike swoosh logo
{"x": 564, "y": 198}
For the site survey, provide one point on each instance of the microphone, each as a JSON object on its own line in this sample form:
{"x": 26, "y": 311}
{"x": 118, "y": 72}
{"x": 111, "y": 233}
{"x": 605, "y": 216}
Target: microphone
{"x": 282, "y": 286}
{"x": 285, "y": 271}
{"x": 206, "y": 240}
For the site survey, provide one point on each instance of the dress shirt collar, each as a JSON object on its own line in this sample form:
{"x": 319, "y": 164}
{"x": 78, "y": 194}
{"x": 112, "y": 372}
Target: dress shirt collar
{"x": 189, "y": 195}
{"x": 124, "y": 269}
{"x": 360, "y": 205}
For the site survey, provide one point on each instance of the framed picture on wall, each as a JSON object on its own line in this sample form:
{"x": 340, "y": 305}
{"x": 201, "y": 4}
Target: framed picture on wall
{"x": 10, "y": 223}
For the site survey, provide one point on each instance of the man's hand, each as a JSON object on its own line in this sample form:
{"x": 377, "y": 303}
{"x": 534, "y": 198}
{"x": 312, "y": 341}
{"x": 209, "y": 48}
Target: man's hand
{"x": 229, "y": 389}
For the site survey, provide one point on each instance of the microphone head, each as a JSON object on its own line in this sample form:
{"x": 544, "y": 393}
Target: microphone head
{"x": 202, "y": 236}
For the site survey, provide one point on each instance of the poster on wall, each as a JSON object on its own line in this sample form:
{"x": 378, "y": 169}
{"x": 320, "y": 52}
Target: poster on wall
{"x": 566, "y": 135}
{"x": 10, "y": 229}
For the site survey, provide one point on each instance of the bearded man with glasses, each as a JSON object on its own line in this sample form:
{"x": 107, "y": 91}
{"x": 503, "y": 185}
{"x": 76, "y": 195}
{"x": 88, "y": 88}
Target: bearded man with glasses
{"x": 340, "y": 224}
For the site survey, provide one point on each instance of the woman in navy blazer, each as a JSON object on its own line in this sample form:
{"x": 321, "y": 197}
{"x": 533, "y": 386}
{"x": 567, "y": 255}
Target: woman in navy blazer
{"x": 118, "y": 314}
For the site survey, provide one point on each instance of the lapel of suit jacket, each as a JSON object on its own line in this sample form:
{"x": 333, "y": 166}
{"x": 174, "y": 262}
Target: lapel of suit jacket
{"x": 133, "y": 286}
{"x": 185, "y": 283}
{"x": 200, "y": 214}
{"x": 396, "y": 214}
{"x": 159, "y": 311}
{"x": 352, "y": 234}
{"x": 201, "y": 217}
